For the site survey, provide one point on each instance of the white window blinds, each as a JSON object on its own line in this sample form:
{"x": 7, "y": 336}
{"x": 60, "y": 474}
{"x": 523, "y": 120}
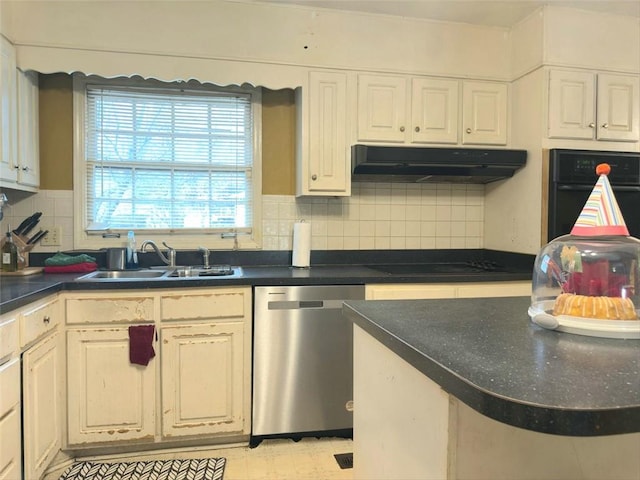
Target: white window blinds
{"x": 168, "y": 159}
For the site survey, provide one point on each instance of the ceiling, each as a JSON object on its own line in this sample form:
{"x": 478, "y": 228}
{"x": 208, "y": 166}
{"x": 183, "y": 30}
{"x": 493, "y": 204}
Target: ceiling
{"x": 505, "y": 13}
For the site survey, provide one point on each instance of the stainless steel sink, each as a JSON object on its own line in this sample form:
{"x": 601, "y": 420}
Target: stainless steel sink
{"x": 164, "y": 273}
{"x": 125, "y": 274}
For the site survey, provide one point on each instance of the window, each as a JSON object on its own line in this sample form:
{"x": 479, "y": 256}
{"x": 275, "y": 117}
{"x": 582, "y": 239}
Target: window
{"x": 178, "y": 160}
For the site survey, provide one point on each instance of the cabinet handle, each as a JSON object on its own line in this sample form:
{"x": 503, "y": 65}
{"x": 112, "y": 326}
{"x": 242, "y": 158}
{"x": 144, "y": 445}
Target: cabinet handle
{"x": 417, "y": 129}
{"x": 314, "y": 177}
{"x": 46, "y": 320}
{"x": 25, "y": 169}
{"x": 17, "y": 167}
{"x": 592, "y": 125}
{"x": 605, "y": 125}
{"x": 402, "y": 129}
{"x": 468, "y": 130}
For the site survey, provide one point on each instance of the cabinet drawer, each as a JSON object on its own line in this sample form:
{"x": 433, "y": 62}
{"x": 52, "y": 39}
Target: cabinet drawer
{"x": 10, "y": 439}
{"x": 8, "y": 337}
{"x": 37, "y": 321}
{"x": 9, "y": 386}
{"x": 123, "y": 309}
{"x": 224, "y": 303}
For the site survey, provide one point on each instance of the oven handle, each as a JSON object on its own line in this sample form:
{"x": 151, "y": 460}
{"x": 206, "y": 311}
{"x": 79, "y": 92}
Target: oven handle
{"x": 582, "y": 188}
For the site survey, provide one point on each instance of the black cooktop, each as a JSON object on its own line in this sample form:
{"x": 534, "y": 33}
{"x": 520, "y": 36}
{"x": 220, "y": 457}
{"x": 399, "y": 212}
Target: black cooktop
{"x": 440, "y": 268}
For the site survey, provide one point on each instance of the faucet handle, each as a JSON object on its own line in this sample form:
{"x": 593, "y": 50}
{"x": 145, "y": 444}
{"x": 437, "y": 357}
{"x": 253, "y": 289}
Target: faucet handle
{"x": 205, "y": 256}
{"x": 171, "y": 254}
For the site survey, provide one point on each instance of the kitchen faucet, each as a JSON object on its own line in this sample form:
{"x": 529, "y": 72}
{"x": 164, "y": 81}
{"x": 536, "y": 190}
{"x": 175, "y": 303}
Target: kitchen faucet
{"x": 205, "y": 256}
{"x": 170, "y": 259}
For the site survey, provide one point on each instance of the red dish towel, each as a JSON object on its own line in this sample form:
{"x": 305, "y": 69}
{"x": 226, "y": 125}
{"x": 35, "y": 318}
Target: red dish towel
{"x": 141, "y": 344}
{"x": 75, "y": 268}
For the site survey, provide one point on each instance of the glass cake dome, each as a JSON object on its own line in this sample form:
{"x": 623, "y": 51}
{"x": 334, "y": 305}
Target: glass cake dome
{"x": 588, "y": 282}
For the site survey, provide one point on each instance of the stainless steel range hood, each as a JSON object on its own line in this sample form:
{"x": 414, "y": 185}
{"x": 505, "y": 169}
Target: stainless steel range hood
{"x": 436, "y": 165}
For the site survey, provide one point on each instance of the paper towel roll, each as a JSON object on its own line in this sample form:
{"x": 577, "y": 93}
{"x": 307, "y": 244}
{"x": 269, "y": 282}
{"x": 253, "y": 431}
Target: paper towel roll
{"x": 301, "y": 244}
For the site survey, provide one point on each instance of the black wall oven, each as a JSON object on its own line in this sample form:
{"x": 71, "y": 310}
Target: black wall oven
{"x": 572, "y": 176}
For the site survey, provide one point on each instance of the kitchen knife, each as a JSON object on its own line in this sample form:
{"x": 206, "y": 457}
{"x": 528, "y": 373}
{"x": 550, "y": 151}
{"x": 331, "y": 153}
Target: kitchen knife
{"x": 25, "y": 223}
{"x": 37, "y": 237}
{"x": 33, "y": 238}
{"x": 34, "y": 221}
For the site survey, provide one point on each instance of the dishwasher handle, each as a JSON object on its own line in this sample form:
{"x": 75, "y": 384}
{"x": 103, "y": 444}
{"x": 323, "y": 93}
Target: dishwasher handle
{"x": 304, "y": 304}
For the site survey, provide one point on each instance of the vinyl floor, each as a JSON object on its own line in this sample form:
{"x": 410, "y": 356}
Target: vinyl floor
{"x": 277, "y": 459}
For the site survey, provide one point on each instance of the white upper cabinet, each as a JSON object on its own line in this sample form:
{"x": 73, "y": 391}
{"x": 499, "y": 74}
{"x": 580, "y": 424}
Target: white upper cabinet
{"x": 618, "y": 108}
{"x": 421, "y": 110}
{"x": 382, "y": 106}
{"x": 591, "y": 106}
{"x": 434, "y": 111}
{"x": 484, "y": 113}
{"x": 19, "y": 136}
{"x": 8, "y": 114}
{"x": 323, "y": 157}
{"x": 28, "y": 129}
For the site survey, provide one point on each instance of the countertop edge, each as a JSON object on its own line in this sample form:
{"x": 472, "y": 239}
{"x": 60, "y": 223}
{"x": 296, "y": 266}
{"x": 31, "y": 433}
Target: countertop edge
{"x": 539, "y": 418}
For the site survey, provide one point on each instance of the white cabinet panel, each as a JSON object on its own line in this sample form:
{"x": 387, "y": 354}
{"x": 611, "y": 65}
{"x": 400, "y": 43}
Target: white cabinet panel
{"x": 484, "y": 113}
{"x": 571, "y": 105}
{"x": 8, "y": 114}
{"x": 202, "y": 385}
{"x": 382, "y": 106}
{"x": 10, "y": 446}
{"x": 109, "y": 399}
{"x": 594, "y": 106}
{"x": 428, "y": 113}
{"x": 41, "y": 404}
{"x": 434, "y": 111}
{"x": 618, "y": 108}
{"x": 323, "y": 160}
{"x": 28, "y": 129}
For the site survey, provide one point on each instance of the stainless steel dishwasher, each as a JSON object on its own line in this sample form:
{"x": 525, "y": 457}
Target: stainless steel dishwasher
{"x": 302, "y": 360}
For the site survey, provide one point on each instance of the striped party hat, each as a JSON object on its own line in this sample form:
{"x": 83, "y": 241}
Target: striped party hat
{"x": 601, "y": 214}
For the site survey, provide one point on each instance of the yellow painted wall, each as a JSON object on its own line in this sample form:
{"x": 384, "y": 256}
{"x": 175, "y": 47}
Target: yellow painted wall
{"x": 56, "y": 132}
{"x": 56, "y": 137}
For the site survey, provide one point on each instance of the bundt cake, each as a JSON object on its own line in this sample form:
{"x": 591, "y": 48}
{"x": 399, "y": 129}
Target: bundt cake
{"x": 604, "y": 308}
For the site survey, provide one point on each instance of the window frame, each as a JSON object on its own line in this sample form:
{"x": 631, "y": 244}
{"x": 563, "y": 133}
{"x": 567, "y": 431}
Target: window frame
{"x": 185, "y": 240}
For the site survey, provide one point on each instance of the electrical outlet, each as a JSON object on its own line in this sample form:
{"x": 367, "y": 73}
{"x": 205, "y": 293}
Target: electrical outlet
{"x": 53, "y": 238}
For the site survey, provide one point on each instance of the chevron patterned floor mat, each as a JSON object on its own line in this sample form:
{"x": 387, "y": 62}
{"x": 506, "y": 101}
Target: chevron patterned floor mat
{"x": 198, "y": 469}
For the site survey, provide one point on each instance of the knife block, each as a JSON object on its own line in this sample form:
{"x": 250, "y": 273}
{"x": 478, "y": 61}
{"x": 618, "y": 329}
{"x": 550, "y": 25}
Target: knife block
{"x": 23, "y": 249}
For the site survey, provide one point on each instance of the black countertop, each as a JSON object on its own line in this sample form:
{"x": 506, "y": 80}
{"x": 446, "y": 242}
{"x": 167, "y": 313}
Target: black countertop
{"x": 489, "y": 355}
{"x": 269, "y": 268}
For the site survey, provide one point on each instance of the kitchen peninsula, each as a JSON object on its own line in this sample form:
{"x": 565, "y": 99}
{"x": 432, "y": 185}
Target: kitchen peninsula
{"x": 471, "y": 389}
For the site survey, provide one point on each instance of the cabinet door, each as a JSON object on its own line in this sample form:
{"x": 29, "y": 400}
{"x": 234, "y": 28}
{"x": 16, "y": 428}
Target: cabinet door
{"x": 109, "y": 399}
{"x": 8, "y": 156}
{"x": 382, "y": 105}
{"x": 618, "y": 107}
{"x": 10, "y": 445}
{"x": 484, "y": 113}
{"x": 329, "y": 164}
{"x": 434, "y": 111}
{"x": 202, "y": 379}
{"x": 28, "y": 133}
{"x": 41, "y": 405}
{"x": 10, "y": 431}
{"x": 571, "y": 105}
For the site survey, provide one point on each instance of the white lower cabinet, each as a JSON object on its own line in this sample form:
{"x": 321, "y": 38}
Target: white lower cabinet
{"x": 41, "y": 404}
{"x": 415, "y": 291}
{"x": 30, "y": 395}
{"x": 202, "y": 387}
{"x": 197, "y": 385}
{"x": 109, "y": 399}
{"x": 10, "y": 426}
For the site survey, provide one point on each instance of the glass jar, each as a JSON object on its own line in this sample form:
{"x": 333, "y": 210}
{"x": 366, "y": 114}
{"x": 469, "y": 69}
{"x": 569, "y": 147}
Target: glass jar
{"x": 588, "y": 285}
